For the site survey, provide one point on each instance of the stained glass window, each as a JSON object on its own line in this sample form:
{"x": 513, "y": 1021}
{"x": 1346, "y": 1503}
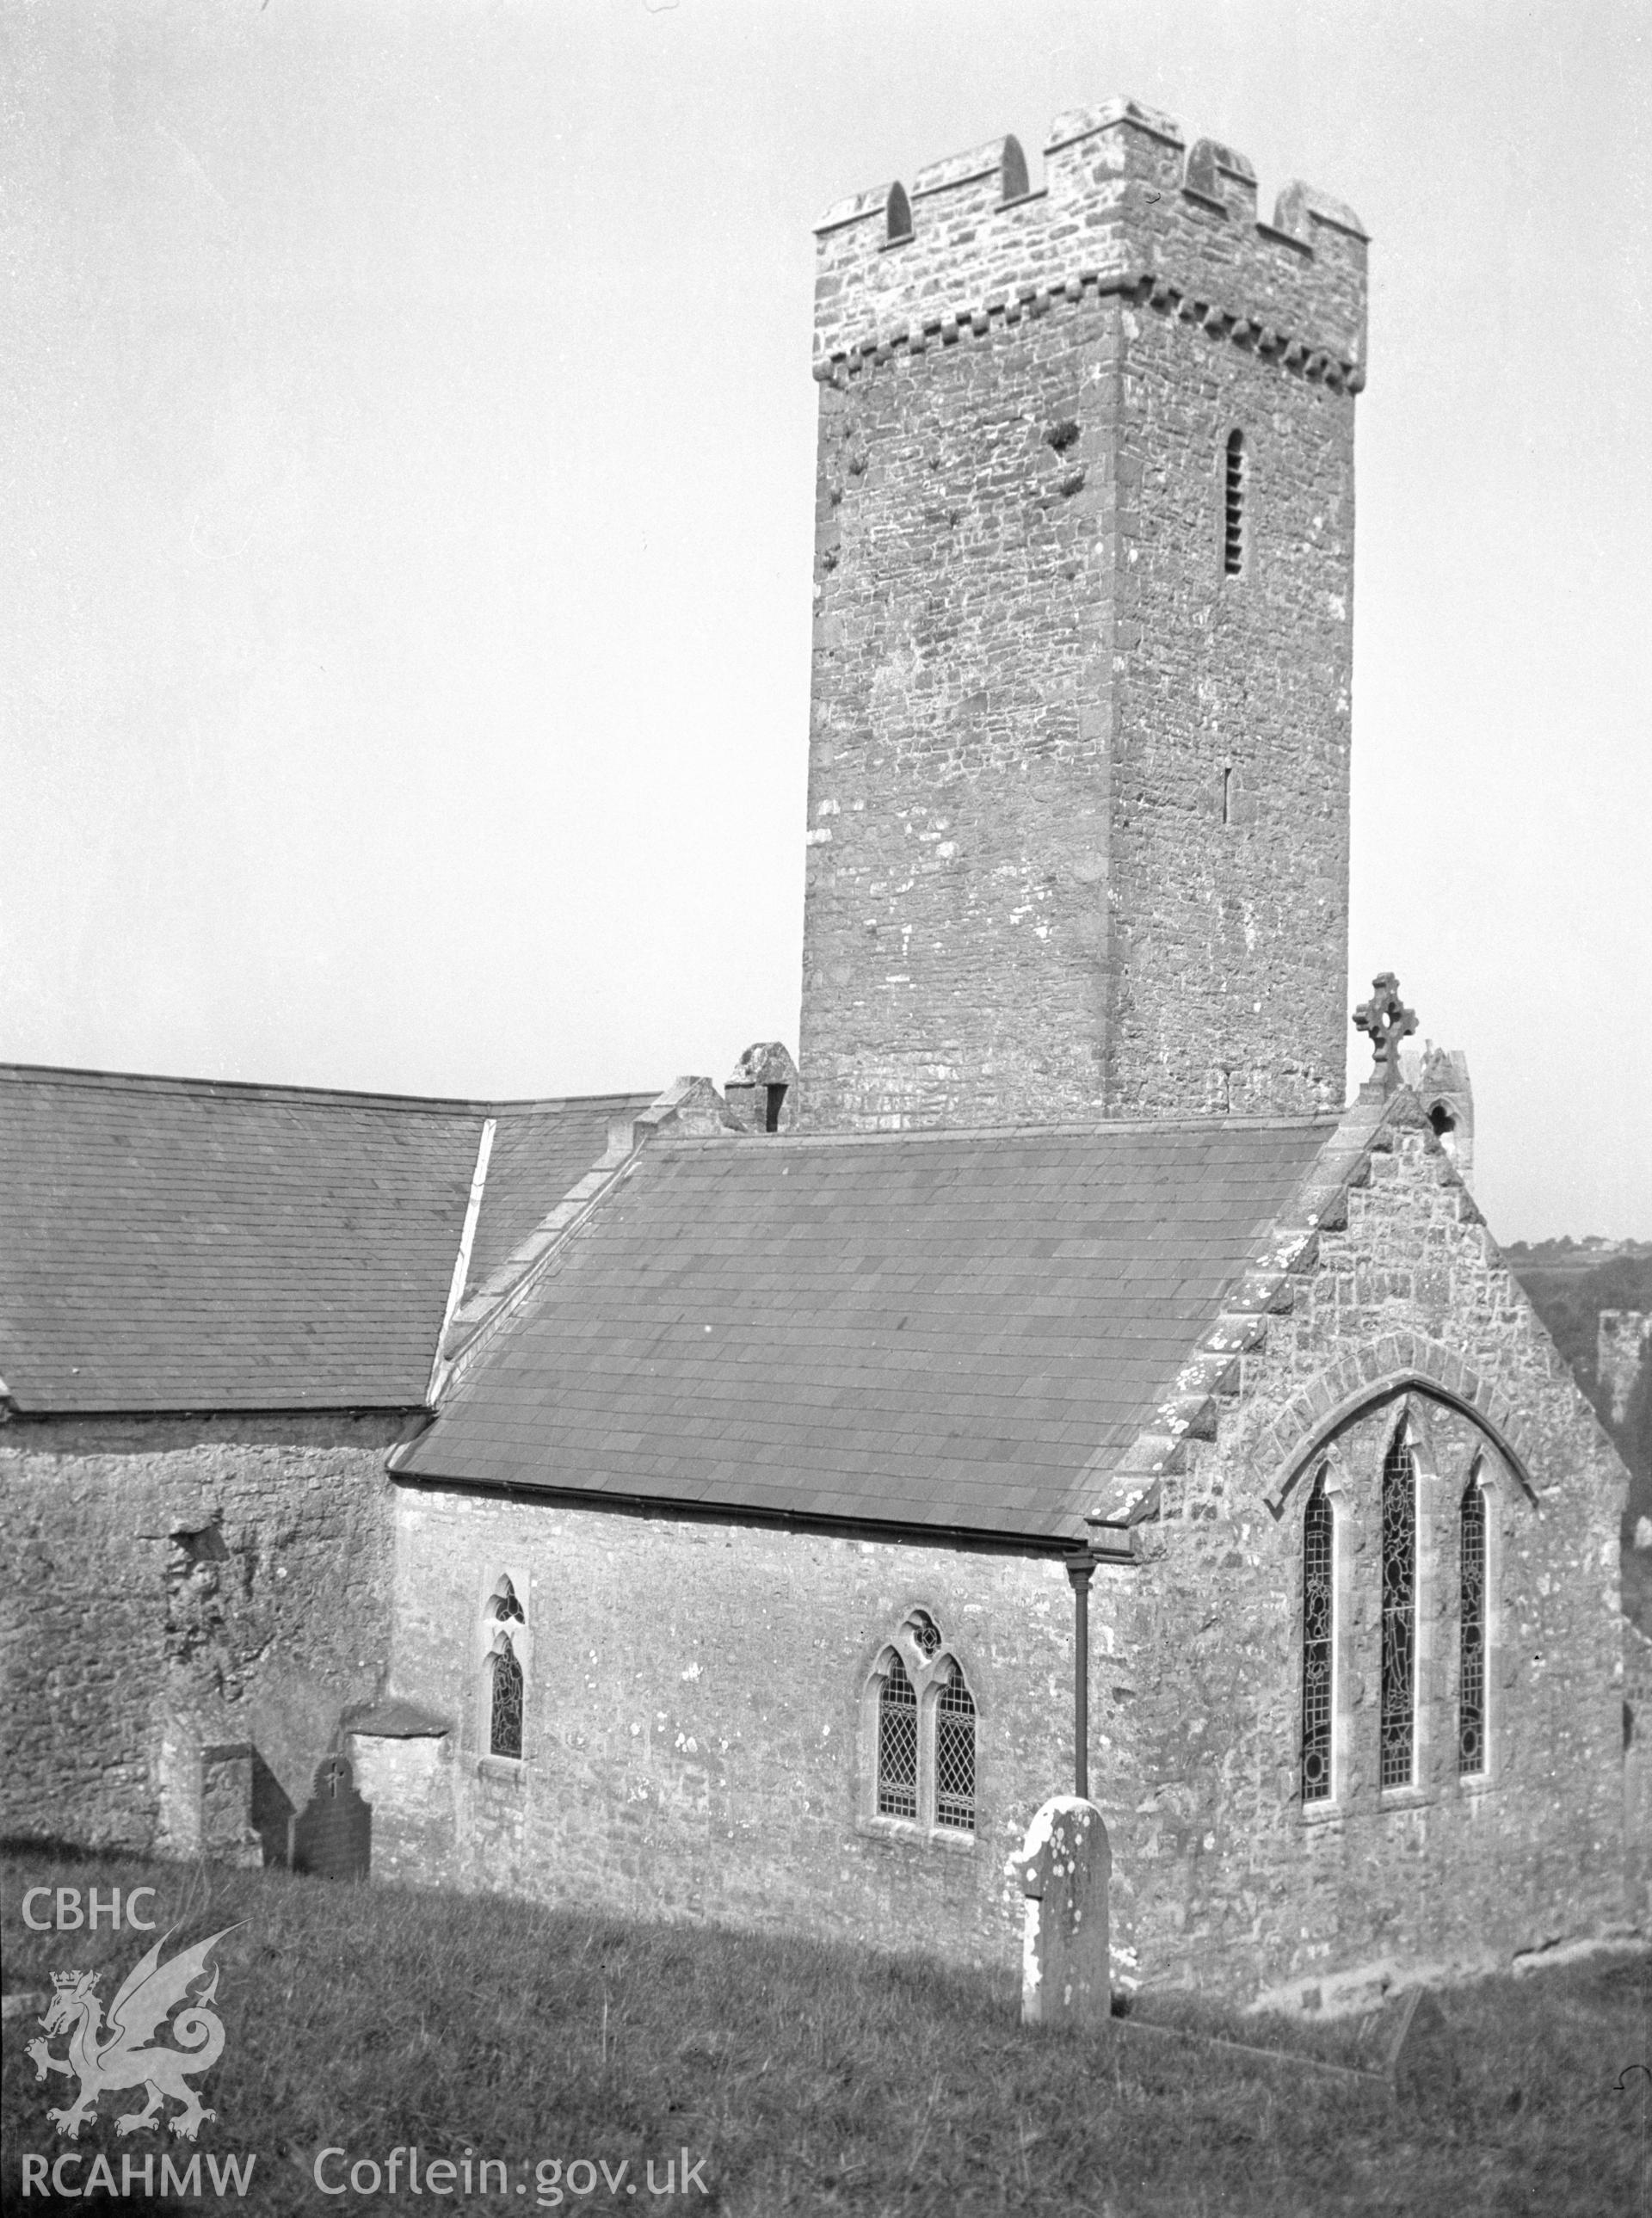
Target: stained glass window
{"x": 1318, "y": 1562}
{"x": 506, "y": 1608}
{"x": 1471, "y": 1632}
{"x": 955, "y": 1755}
{"x": 897, "y": 1744}
{"x": 505, "y": 1723}
{"x": 1399, "y": 1611}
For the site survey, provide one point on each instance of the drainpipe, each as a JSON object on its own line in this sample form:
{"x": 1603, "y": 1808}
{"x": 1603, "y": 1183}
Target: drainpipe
{"x": 1081, "y": 1570}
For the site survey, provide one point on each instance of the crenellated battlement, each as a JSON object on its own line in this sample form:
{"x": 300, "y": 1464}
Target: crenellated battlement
{"x": 1127, "y": 206}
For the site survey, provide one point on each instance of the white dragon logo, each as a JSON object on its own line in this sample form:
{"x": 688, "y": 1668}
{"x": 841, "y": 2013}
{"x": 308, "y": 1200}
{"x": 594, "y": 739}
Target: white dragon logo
{"x": 117, "y": 2057}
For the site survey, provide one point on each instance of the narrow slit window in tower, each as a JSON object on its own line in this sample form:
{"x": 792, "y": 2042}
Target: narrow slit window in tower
{"x": 1471, "y": 1634}
{"x": 1317, "y": 1629}
{"x": 1233, "y": 521}
{"x": 1399, "y": 1611}
{"x": 897, "y": 1744}
{"x": 776, "y": 1095}
{"x": 955, "y": 1755}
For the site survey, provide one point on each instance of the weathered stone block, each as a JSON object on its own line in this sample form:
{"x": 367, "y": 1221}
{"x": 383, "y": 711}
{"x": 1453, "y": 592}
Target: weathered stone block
{"x": 1064, "y": 1869}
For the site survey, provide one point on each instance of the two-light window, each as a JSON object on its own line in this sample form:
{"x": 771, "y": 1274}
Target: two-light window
{"x": 1398, "y": 1679}
{"x": 922, "y": 1723}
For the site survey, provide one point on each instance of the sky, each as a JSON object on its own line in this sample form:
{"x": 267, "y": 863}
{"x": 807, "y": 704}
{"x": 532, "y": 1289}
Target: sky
{"x": 406, "y": 476}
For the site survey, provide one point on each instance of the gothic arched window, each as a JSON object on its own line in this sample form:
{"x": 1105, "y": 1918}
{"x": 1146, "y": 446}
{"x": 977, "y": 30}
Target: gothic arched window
{"x": 920, "y": 1733}
{"x": 1318, "y": 1601}
{"x": 1472, "y": 1630}
{"x": 1399, "y": 1612}
{"x": 505, "y": 1625}
{"x": 897, "y": 1744}
{"x": 955, "y": 1753}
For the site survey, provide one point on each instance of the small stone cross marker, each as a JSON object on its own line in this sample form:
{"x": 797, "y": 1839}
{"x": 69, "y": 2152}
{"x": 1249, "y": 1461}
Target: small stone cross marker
{"x": 1386, "y": 1020}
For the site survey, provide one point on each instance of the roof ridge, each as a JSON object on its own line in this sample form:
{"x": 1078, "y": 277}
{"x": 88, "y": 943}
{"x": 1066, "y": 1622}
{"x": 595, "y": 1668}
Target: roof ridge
{"x": 321, "y": 1097}
{"x": 1327, "y": 1122}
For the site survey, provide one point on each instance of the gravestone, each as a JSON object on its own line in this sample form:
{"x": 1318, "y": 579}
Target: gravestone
{"x": 1063, "y": 1871}
{"x": 332, "y": 1834}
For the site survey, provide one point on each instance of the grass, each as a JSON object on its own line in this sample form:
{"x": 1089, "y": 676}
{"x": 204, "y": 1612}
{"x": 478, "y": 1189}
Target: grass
{"x": 809, "y": 2078}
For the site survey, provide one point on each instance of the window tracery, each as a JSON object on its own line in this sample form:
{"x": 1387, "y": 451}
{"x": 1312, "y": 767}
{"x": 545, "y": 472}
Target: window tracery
{"x": 922, "y": 1732}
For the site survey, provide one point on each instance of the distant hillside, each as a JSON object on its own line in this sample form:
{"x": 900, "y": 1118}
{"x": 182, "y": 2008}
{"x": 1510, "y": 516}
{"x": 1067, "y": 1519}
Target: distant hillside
{"x": 1569, "y": 1282}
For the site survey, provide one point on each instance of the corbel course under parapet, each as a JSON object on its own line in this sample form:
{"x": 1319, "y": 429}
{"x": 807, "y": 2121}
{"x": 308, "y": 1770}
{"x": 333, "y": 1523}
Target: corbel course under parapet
{"x": 1306, "y": 357}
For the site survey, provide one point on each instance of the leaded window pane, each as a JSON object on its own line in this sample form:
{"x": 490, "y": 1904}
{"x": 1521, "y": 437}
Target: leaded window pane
{"x": 505, "y": 1723}
{"x": 955, "y": 1755}
{"x": 1471, "y": 1635}
{"x": 925, "y": 1631}
{"x": 1317, "y": 1570}
{"x": 506, "y": 1608}
{"x": 1399, "y": 1612}
{"x": 897, "y": 1744}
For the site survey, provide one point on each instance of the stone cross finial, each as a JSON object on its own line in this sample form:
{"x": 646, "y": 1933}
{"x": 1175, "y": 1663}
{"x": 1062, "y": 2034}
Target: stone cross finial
{"x": 1388, "y": 1021}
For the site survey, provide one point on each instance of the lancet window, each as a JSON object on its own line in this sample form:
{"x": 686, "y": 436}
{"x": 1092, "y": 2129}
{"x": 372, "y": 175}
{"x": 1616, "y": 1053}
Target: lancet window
{"x": 505, "y": 1625}
{"x": 955, "y": 1753}
{"x": 897, "y": 1744}
{"x": 1319, "y": 1603}
{"x": 1472, "y": 1630}
{"x": 1399, "y": 1710}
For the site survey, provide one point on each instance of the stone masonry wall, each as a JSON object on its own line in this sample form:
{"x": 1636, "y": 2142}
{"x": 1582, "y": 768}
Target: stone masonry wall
{"x": 1637, "y": 1774}
{"x": 1228, "y": 870}
{"x": 1078, "y": 804}
{"x": 1320, "y": 1904}
{"x": 955, "y": 910}
{"x": 189, "y": 1603}
{"x": 694, "y": 1720}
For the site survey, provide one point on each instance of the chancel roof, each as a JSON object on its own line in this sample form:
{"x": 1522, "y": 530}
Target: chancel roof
{"x": 176, "y": 1243}
{"x": 940, "y": 1331}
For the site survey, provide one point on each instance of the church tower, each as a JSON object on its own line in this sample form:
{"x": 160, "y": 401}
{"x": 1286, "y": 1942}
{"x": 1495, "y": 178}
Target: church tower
{"x": 1078, "y": 839}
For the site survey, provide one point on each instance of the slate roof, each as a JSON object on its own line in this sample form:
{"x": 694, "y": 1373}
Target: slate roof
{"x": 176, "y": 1243}
{"x": 932, "y": 1330}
